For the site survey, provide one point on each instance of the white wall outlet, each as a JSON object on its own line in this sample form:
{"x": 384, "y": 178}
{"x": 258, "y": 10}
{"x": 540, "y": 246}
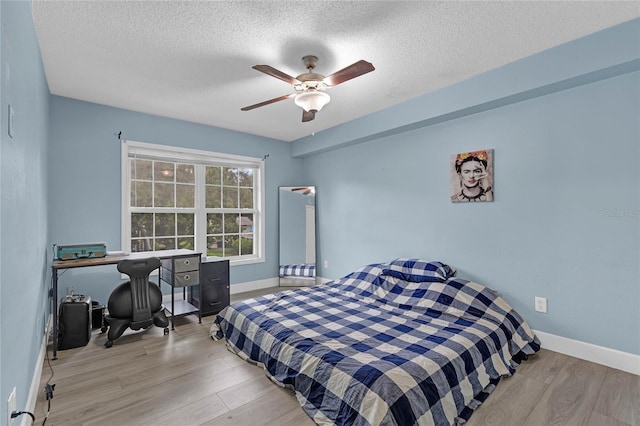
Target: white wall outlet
{"x": 325, "y": 264}
{"x": 541, "y": 304}
{"x": 11, "y": 405}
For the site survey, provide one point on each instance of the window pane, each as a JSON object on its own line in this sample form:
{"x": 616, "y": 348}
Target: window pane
{"x": 246, "y": 223}
{"x": 231, "y": 246}
{"x": 165, "y": 244}
{"x": 214, "y": 246}
{"x": 231, "y": 223}
{"x": 186, "y": 243}
{"x": 141, "y": 169}
{"x": 245, "y": 177}
{"x": 163, "y": 195}
{"x": 141, "y": 194}
{"x": 246, "y": 244}
{"x": 246, "y": 198}
{"x": 213, "y": 175}
{"x": 185, "y": 223}
{"x": 214, "y": 223}
{"x": 213, "y": 197}
{"x": 230, "y": 197}
{"x": 185, "y": 195}
{"x": 163, "y": 171}
{"x": 165, "y": 224}
{"x": 230, "y": 176}
{"x": 185, "y": 173}
{"x": 144, "y": 244}
{"x": 141, "y": 225}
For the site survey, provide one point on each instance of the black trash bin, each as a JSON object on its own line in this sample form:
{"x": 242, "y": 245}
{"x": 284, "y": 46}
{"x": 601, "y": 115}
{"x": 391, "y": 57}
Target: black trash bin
{"x": 97, "y": 314}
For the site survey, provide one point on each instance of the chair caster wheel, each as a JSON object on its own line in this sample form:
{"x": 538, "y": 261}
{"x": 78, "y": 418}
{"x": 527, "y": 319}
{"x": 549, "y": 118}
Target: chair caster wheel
{"x": 166, "y": 331}
{"x": 108, "y": 344}
{"x": 104, "y": 329}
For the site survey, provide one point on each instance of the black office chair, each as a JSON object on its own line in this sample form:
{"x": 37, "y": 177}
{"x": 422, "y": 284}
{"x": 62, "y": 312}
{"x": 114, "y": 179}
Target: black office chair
{"x": 137, "y": 303}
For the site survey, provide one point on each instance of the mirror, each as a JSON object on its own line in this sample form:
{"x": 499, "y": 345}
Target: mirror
{"x": 297, "y": 210}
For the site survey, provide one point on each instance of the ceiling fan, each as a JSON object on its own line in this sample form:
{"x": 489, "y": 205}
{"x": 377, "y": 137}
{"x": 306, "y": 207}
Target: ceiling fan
{"x": 306, "y": 190}
{"x": 310, "y": 87}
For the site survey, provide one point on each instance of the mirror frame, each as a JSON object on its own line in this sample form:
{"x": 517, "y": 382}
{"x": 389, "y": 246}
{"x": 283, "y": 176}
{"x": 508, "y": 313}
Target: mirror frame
{"x": 301, "y": 271}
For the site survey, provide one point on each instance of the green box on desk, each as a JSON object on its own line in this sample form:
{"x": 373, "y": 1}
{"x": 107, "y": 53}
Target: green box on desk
{"x": 81, "y": 251}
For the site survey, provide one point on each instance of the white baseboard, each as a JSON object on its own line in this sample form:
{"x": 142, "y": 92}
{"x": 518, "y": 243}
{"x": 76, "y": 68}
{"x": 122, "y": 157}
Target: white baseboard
{"x": 599, "y": 354}
{"x": 249, "y": 286}
{"x": 267, "y": 283}
{"x": 236, "y": 288}
{"x": 37, "y": 374}
{"x": 254, "y": 285}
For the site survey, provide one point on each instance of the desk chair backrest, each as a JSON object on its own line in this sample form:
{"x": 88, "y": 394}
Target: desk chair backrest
{"x": 138, "y": 271}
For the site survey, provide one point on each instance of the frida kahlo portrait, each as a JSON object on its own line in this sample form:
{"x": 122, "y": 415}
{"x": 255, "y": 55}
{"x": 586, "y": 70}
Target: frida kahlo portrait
{"x": 472, "y": 176}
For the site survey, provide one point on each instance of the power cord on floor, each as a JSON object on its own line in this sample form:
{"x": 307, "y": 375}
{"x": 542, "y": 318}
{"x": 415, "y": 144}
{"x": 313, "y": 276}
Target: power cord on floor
{"x": 19, "y": 413}
{"x": 48, "y": 411}
{"x": 48, "y": 390}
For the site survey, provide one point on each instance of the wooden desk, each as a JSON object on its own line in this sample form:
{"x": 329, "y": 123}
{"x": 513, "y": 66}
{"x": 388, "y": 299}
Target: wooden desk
{"x": 100, "y": 261}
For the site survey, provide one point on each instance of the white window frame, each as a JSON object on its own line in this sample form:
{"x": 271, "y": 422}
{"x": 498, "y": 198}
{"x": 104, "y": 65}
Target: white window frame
{"x": 176, "y": 154}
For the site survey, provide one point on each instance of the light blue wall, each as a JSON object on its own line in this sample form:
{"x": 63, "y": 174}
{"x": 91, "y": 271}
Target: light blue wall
{"x": 24, "y": 276}
{"x": 84, "y": 180}
{"x": 565, "y": 223}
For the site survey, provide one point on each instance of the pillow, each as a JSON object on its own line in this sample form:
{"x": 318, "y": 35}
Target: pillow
{"x": 418, "y": 271}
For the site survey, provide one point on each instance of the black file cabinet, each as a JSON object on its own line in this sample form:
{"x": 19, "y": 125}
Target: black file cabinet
{"x": 214, "y": 279}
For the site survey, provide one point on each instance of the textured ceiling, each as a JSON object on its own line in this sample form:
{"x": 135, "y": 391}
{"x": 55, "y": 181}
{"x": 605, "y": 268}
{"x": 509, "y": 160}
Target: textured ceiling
{"x": 191, "y": 60}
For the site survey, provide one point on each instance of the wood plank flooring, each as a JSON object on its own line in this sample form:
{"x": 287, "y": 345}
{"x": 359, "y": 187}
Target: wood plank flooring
{"x": 186, "y": 378}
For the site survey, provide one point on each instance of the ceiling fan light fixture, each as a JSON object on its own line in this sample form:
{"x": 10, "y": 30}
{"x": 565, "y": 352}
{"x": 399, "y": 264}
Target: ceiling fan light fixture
{"x": 310, "y": 86}
{"x": 312, "y": 100}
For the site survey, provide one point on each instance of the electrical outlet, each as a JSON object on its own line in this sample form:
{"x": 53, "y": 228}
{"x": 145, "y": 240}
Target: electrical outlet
{"x": 541, "y": 304}
{"x": 11, "y": 406}
{"x": 326, "y": 264}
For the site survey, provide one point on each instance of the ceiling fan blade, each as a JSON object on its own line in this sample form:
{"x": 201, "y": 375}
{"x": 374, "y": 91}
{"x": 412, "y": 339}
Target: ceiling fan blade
{"x": 308, "y": 115}
{"x": 270, "y": 101}
{"x": 352, "y": 71}
{"x": 305, "y": 190}
{"x": 269, "y": 70}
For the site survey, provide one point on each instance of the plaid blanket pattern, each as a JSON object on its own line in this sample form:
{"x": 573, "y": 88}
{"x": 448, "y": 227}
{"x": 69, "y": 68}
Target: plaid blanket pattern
{"x": 371, "y": 349}
{"x": 298, "y": 270}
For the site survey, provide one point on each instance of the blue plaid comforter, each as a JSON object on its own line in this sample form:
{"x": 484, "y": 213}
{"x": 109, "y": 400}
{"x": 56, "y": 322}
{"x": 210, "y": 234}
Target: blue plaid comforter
{"x": 381, "y": 346}
{"x": 298, "y": 270}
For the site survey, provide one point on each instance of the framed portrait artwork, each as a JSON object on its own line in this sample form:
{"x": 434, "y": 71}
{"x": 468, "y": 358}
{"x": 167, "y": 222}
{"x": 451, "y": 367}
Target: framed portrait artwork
{"x": 472, "y": 176}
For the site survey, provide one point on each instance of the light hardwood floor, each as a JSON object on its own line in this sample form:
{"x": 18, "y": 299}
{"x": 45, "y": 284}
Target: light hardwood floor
{"x": 186, "y": 378}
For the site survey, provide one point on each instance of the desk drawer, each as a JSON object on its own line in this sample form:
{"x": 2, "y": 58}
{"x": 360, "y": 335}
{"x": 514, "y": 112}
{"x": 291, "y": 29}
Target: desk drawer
{"x": 185, "y": 264}
{"x": 186, "y": 279}
{"x": 215, "y": 272}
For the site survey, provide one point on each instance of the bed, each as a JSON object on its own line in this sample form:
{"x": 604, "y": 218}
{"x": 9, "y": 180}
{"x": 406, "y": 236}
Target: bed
{"x": 398, "y": 343}
{"x": 297, "y": 275}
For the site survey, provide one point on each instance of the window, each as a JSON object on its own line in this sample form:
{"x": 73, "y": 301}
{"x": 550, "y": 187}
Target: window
{"x": 177, "y": 198}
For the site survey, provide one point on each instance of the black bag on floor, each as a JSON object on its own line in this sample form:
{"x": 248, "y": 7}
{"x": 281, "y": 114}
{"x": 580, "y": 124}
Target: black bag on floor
{"x": 74, "y": 323}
